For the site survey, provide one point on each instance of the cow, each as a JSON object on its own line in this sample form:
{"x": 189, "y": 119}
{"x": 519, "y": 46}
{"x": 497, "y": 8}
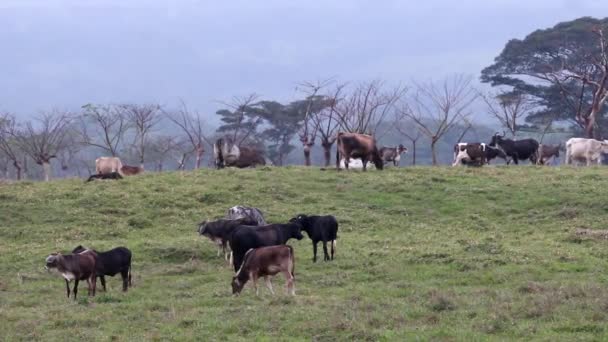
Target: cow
{"x": 105, "y": 165}
{"x": 355, "y": 145}
{"x": 319, "y": 228}
{"x": 111, "y": 175}
{"x": 249, "y": 157}
{"x": 547, "y": 153}
{"x": 128, "y": 170}
{"x": 110, "y": 263}
{"x": 252, "y": 213}
{"x": 244, "y": 238}
{"x": 585, "y": 150}
{"x": 219, "y": 231}
{"x": 225, "y": 152}
{"x": 516, "y": 149}
{"x": 392, "y": 154}
{"x": 79, "y": 266}
{"x": 476, "y": 154}
{"x": 266, "y": 262}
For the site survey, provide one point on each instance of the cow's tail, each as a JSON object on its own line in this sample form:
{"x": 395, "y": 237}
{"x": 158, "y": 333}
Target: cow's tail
{"x": 129, "y": 276}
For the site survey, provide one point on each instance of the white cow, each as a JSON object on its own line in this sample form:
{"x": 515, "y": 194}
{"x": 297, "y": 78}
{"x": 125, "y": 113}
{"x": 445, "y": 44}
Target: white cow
{"x": 585, "y": 150}
{"x": 355, "y": 164}
{"x": 105, "y": 165}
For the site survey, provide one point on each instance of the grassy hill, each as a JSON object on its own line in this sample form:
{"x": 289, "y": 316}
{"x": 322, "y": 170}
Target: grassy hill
{"x": 423, "y": 253}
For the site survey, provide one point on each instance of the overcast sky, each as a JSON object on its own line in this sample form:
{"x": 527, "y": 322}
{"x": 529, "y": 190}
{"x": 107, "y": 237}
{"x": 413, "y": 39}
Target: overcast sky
{"x": 65, "y": 53}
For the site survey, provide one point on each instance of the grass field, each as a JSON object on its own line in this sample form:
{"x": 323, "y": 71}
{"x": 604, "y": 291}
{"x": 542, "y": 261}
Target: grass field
{"x": 423, "y": 254}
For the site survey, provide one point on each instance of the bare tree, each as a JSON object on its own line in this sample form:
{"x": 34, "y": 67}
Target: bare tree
{"x": 143, "y": 118}
{"x": 162, "y": 146}
{"x": 326, "y": 122}
{"x": 368, "y": 106}
{"x": 437, "y": 107}
{"x": 310, "y": 126}
{"x": 46, "y": 140}
{"x": 413, "y": 137}
{"x": 191, "y": 125}
{"x": 103, "y": 126}
{"x": 509, "y": 108}
{"x": 8, "y": 145}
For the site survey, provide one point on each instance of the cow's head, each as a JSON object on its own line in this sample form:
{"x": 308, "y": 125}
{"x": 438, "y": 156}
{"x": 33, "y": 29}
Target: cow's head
{"x": 302, "y": 221}
{"x": 202, "y": 228}
{"x": 52, "y": 260}
{"x": 237, "y": 285}
{"x": 78, "y": 249}
{"x": 295, "y": 230}
{"x": 401, "y": 149}
{"x": 377, "y": 160}
{"x": 497, "y": 139}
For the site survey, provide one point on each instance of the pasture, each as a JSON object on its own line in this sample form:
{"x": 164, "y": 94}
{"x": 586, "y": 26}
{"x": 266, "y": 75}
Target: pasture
{"x": 423, "y": 254}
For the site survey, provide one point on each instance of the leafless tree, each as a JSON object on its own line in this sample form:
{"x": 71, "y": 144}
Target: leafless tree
{"x": 327, "y": 124}
{"x": 44, "y": 141}
{"x": 365, "y": 108}
{"x": 103, "y": 126}
{"x": 437, "y": 107}
{"x": 508, "y": 108}
{"x": 8, "y": 145}
{"x": 399, "y": 125}
{"x": 162, "y": 146}
{"x": 191, "y": 125}
{"x": 143, "y": 118}
{"x": 310, "y": 126}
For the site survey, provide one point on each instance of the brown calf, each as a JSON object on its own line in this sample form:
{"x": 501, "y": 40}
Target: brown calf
{"x": 128, "y": 170}
{"x": 546, "y": 153}
{"x": 361, "y": 146}
{"x": 265, "y": 262}
{"x": 75, "y": 267}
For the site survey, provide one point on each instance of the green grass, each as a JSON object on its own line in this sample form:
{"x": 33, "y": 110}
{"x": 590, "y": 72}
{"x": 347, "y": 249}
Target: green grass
{"x": 423, "y": 254}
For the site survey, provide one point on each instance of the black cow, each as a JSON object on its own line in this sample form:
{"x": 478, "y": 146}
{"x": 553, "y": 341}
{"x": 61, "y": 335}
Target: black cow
{"x": 246, "y": 237}
{"x": 111, "y": 175}
{"x": 319, "y": 228}
{"x": 516, "y": 149}
{"x": 116, "y": 260}
{"x": 219, "y": 231}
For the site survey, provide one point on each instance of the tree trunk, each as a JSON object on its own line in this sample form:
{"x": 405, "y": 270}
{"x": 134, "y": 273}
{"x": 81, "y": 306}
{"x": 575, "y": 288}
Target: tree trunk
{"x": 17, "y": 166}
{"x": 433, "y": 152}
{"x": 307, "y": 154}
{"x": 414, "y": 152}
{"x": 199, "y": 155}
{"x": 327, "y": 153}
{"x": 590, "y": 125}
{"x": 46, "y": 167}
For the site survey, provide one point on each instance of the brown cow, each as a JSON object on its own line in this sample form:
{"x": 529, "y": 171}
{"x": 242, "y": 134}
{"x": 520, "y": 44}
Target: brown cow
{"x": 248, "y": 157}
{"x": 104, "y": 165}
{"x": 265, "y": 262}
{"x": 392, "y": 154}
{"x": 547, "y": 153}
{"x": 127, "y": 170}
{"x": 355, "y": 145}
{"x": 80, "y": 266}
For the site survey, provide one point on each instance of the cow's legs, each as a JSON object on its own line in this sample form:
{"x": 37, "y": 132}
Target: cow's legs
{"x": 255, "y": 284}
{"x": 346, "y": 162}
{"x": 75, "y": 290}
{"x": 364, "y": 162}
{"x": 125, "y": 279}
{"x": 94, "y": 283}
{"x": 269, "y": 284}
{"x": 290, "y": 279}
{"x": 67, "y": 287}
{"x": 103, "y": 282}
{"x": 314, "y": 251}
{"x": 333, "y": 246}
{"x": 325, "y": 254}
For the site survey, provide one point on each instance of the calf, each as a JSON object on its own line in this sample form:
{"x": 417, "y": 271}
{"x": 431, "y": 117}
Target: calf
{"x": 128, "y": 170}
{"x": 239, "y": 211}
{"x": 392, "y": 154}
{"x": 111, "y": 175}
{"x": 117, "y": 260}
{"x": 245, "y": 238}
{"x": 319, "y": 228}
{"x": 547, "y": 153}
{"x": 220, "y": 231}
{"x": 79, "y": 266}
{"x": 265, "y": 262}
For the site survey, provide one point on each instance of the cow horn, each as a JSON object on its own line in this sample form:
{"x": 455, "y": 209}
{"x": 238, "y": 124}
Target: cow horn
{"x": 504, "y": 134}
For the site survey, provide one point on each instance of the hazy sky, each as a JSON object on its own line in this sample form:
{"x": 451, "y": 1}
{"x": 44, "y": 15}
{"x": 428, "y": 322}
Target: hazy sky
{"x": 64, "y": 53}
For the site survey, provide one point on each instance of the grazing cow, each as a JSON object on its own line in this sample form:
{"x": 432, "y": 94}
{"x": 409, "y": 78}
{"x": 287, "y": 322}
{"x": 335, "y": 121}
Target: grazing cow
{"x": 128, "y": 170}
{"x": 392, "y": 154}
{"x": 111, "y": 175}
{"x": 80, "y": 266}
{"x": 355, "y": 145}
{"x": 110, "y": 263}
{"x": 585, "y": 150}
{"x": 246, "y": 237}
{"x": 252, "y": 213}
{"x": 249, "y": 157}
{"x": 219, "y": 231}
{"x": 225, "y": 152}
{"x": 547, "y": 153}
{"x": 516, "y": 149}
{"x": 476, "y": 154}
{"x": 266, "y": 262}
{"x": 105, "y": 165}
{"x": 319, "y": 228}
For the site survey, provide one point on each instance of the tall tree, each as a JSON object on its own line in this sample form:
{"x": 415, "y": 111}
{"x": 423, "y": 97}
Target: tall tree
{"x": 103, "y": 126}
{"x": 314, "y": 104}
{"x": 241, "y": 120}
{"x": 8, "y": 144}
{"x": 191, "y": 125}
{"x": 44, "y": 141}
{"x": 436, "y": 108}
{"x": 284, "y": 121}
{"x": 509, "y": 108}
{"x": 565, "y": 68}
{"x": 326, "y": 122}
{"x": 143, "y": 118}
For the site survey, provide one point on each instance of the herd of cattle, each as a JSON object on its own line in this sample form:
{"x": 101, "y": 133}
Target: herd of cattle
{"x": 257, "y": 249}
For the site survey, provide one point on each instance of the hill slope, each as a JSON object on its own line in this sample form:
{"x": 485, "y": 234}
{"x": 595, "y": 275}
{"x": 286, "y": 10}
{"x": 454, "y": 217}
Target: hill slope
{"x": 422, "y": 252}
